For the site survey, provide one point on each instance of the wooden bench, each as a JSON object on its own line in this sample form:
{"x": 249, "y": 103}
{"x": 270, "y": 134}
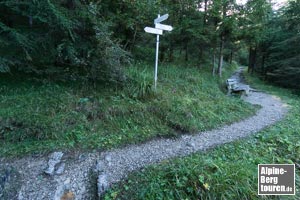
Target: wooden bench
{"x": 234, "y": 87}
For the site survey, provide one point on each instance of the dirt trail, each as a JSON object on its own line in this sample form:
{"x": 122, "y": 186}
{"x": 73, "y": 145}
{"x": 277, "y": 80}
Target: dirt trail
{"x": 82, "y": 170}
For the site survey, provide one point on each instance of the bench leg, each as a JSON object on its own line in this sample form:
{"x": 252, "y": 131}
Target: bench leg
{"x": 229, "y": 92}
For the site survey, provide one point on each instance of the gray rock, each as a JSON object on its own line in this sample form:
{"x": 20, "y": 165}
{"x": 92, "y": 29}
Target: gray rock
{"x": 99, "y": 166}
{"x": 82, "y": 157}
{"x": 60, "y": 169}
{"x": 108, "y": 158}
{"x": 56, "y": 156}
{"x": 54, "y": 159}
{"x": 191, "y": 144}
{"x": 102, "y": 184}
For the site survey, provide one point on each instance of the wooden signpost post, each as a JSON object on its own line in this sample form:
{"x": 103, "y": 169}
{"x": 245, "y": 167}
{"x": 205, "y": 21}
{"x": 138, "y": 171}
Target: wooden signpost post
{"x": 158, "y": 30}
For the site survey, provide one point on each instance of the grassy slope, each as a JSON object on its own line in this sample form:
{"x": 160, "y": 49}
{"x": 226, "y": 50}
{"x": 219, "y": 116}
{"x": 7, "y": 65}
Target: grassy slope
{"x": 43, "y": 116}
{"x": 227, "y": 172}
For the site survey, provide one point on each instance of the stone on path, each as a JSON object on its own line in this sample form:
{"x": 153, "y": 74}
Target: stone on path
{"x": 60, "y": 169}
{"x": 102, "y": 183}
{"x": 54, "y": 159}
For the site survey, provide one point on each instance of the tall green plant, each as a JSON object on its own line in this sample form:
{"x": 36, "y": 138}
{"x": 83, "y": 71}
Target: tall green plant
{"x": 52, "y": 37}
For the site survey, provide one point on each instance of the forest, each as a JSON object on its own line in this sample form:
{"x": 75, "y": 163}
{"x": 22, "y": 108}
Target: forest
{"x": 94, "y": 40}
{"x": 77, "y": 82}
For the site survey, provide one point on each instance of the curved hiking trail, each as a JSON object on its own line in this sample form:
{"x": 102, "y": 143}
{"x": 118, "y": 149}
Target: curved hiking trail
{"x": 82, "y": 170}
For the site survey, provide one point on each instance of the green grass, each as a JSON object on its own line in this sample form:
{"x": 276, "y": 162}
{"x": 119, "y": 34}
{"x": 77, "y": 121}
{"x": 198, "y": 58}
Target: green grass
{"x": 40, "y": 116}
{"x": 226, "y": 172}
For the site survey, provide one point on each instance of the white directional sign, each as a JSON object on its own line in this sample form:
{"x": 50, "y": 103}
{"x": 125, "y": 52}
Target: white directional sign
{"x": 163, "y": 27}
{"x": 158, "y": 30}
{"x": 153, "y": 30}
{"x": 160, "y": 19}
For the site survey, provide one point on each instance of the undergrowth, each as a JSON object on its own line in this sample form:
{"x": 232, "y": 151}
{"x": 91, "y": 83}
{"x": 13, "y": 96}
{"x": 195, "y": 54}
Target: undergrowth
{"x": 40, "y": 116}
{"x": 226, "y": 172}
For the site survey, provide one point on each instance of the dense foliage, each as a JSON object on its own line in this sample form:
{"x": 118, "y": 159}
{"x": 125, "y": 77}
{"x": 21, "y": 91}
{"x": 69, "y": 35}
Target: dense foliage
{"x": 79, "y": 39}
{"x": 54, "y": 38}
{"x": 279, "y": 53}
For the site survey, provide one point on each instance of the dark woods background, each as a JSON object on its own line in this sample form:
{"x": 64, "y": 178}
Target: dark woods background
{"x": 93, "y": 40}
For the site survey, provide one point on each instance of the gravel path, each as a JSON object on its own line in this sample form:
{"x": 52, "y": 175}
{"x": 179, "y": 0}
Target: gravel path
{"x": 83, "y": 169}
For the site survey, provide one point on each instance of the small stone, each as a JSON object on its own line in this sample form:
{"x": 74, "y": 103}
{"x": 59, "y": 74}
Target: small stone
{"x": 82, "y": 157}
{"x": 102, "y": 183}
{"x": 99, "y": 167}
{"x": 185, "y": 137}
{"x": 67, "y": 181}
{"x": 55, "y": 158}
{"x": 60, "y": 169}
{"x": 191, "y": 144}
{"x": 108, "y": 158}
{"x": 51, "y": 166}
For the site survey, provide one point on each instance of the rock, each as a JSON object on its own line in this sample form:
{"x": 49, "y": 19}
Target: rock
{"x": 60, "y": 169}
{"x": 82, "y": 157}
{"x": 67, "y": 183}
{"x": 102, "y": 184}
{"x": 56, "y": 156}
{"x": 186, "y": 137}
{"x": 54, "y": 159}
{"x": 108, "y": 158}
{"x": 99, "y": 166}
{"x": 191, "y": 144}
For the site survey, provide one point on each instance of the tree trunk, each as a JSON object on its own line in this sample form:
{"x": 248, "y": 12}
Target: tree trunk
{"x": 222, "y": 37}
{"x": 231, "y": 57}
{"x": 171, "y": 50}
{"x": 186, "y": 52}
{"x": 214, "y": 62}
{"x": 200, "y": 52}
{"x": 220, "y": 65}
{"x": 263, "y": 65}
{"x": 252, "y": 59}
{"x": 30, "y": 21}
{"x": 205, "y": 13}
{"x": 249, "y": 60}
{"x": 71, "y": 4}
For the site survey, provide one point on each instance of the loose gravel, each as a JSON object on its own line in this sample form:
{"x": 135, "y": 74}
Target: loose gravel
{"x": 82, "y": 170}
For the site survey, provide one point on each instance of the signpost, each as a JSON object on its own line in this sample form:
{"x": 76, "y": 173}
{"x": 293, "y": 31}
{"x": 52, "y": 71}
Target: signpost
{"x": 161, "y": 18}
{"x": 163, "y": 27}
{"x": 153, "y": 30}
{"x": 158, "y": 30}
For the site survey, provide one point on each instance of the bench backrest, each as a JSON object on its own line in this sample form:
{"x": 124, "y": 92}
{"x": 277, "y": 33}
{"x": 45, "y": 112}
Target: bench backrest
{"x": 231, "y": 83}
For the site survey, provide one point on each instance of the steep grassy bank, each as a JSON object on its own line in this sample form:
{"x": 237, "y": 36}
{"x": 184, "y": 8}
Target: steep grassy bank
{"x": 40, "y": 116}
{"x": 226, "y": 172}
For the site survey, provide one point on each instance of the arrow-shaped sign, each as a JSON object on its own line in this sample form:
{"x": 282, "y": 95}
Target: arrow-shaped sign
{"x": 153, "y": 30}
{"x": 163, "y": 27}
{"x": 160, "y": 19}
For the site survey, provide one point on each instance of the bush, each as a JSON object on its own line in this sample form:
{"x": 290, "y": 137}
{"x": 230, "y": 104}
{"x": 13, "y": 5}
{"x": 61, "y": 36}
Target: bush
{"x": 47, "y": 38}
